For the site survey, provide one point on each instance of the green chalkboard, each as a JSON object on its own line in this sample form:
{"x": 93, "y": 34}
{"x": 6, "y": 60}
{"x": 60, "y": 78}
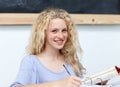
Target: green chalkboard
{"x": 72, "y": 6}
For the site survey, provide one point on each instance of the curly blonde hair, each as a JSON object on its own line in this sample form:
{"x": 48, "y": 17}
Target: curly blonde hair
{"x": 71, "y": 48}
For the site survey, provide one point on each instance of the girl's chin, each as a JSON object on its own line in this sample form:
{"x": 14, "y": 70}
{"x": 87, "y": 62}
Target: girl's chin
{"x": 59, "y": 47}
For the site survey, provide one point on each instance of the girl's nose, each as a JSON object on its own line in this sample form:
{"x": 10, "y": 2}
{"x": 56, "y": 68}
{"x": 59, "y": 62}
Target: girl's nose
{"x": 60, "y": 35}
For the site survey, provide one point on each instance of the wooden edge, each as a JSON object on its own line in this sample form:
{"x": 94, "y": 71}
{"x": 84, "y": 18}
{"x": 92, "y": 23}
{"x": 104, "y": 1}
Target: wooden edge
{"x": 29, "y": 18}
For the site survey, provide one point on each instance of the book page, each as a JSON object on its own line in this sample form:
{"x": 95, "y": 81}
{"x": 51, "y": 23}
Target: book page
{"x": 102, "y": 76}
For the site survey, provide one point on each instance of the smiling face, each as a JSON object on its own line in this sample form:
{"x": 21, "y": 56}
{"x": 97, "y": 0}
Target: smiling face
{"x": 57, "y": 34}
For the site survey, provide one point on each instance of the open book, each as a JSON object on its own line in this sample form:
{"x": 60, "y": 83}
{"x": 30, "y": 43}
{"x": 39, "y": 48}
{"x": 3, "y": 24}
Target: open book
{"x": 102, "y": 76}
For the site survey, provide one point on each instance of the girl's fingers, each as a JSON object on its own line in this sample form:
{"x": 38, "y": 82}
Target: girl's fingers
{"x": 76, "y": 81}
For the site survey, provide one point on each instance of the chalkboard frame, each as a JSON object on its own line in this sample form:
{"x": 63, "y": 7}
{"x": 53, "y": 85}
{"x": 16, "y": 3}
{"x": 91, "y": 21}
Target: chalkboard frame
{"x": 29, "y": 18}
{"x": 95, "y": 12}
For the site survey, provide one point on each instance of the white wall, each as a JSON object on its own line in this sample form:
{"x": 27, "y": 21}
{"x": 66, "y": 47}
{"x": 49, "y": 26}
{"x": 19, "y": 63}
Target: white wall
{"x": 13, "y": 40}
{"x": 100, "y": 44}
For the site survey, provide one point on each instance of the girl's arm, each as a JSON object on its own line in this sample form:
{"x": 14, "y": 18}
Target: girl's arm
{"x": 70, "y": 81}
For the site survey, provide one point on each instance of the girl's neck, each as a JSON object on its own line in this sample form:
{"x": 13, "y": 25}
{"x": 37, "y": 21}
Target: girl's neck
{"x": 52, "y": 54}
{"x": 52, "y": 59}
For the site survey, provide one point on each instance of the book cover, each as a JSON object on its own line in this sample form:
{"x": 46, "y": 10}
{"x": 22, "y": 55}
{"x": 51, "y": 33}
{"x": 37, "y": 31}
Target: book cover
{"x": 103, "y": 76}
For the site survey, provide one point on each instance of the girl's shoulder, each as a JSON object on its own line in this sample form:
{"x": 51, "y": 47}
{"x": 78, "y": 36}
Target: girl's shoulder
{"x": 29, "y": 59}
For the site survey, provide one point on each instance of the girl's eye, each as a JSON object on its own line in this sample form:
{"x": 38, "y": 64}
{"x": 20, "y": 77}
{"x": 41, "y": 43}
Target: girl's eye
{"x": 54, "y": 30}
{"x": 64, "y": 30}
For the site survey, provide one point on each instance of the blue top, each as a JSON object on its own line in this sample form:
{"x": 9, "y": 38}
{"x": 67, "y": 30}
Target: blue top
{"x": 32, "y": 71}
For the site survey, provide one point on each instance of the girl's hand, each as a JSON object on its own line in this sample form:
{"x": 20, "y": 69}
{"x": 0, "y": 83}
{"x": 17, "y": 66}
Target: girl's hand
{"x": 70, "y": 81}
